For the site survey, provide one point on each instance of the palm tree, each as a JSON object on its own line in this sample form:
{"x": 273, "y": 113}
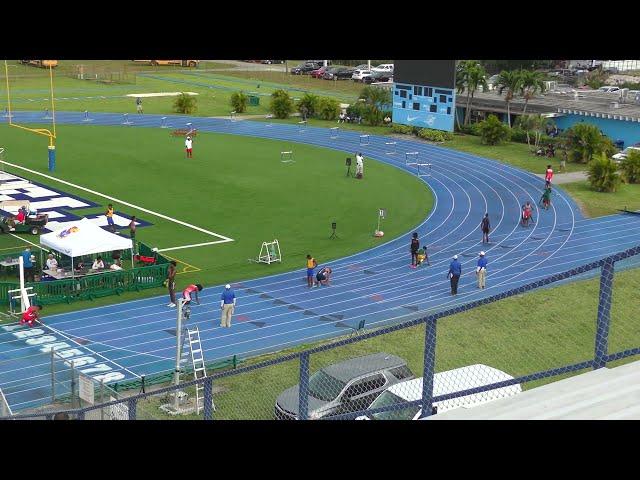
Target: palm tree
{"x": 509, "y": 81}
{"x": 603, "y": 174}
{"x": 470, "y": 76}
{"x": 531, "y": 83}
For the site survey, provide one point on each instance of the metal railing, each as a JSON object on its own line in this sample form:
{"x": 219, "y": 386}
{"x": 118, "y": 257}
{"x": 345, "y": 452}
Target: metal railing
{"x": 597, "y": 342}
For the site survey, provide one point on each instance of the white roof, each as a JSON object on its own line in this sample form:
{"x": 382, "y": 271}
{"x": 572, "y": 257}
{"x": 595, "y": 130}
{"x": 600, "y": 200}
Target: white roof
{"x": 83, "y": 238}
{"x": 458, "y": 380}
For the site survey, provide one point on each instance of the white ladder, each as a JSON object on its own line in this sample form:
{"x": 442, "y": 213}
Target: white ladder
{"x": 197, "y": 362}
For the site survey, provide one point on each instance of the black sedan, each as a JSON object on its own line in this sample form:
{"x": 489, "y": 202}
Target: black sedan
{"x": 340, "y": 73}
{"x": 378, "y": 77}
{"x": 304, "y": 69}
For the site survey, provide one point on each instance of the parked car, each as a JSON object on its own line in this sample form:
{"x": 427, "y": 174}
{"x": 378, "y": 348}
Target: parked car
{"x": 319, "y": 72}
{"x": 618, "y": 157}
{"x": 345, "y": 387}
{"x": 304, "y": 68}
{"x": 338, "y": 73}
{"x": 384, "y": 68}
{"x": 270, "y": 62}
{"x": 378, "y": 77}
{"x": 358, "y": 75}
{"x": 609, "y": 89}
{"x": 444, "y": 383}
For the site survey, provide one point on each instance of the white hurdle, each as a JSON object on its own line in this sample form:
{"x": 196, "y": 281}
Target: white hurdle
{"x": 334, "y": 132}
{"x": 412, "y": 156}
{"x": 302, "y": 126}
{"x": 46, "y": 116}
{"x": 269, "y": 253}
{"x": 163, "y": 122}
{"x": 6, "y": 113}
{"x": 86, "y": 117}
{"x": 269, "y": 117}
{"x": 287, "y": 157}
{"x": 364, "y": 140}
{"x": 424, "y": 169}
{"x": 232, "y": 116}
{"x": 125, "y": 119}
{"x": 391, "y": 146}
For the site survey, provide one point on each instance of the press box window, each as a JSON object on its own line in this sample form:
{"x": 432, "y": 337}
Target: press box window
{"x": 433, "y": 108}
{"x": 443, "y": 99}
{"x": 416, "y": 106}
{"x": 403, "y": 93}
{"x": 417, "y": 90}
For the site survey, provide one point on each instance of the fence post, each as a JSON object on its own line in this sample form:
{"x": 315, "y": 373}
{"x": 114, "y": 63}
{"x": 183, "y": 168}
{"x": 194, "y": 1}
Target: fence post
{"x": 132, "y": 408}
{"x": 303, "y": 391}
{"x": 53, "y": 376}
{"x": 604, "y": 315}
{"x": 429, "y": 367}
{"x": 102, "y": 399}
{"x": 73, "y": 385}
{"x": 208, "y": 398}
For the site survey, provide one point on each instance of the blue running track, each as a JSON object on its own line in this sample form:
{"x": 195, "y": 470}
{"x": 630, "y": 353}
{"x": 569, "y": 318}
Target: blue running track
{"x": 137, "y": 338}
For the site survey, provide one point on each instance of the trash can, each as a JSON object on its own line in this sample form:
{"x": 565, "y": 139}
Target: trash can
{"x": 254, "y": 100}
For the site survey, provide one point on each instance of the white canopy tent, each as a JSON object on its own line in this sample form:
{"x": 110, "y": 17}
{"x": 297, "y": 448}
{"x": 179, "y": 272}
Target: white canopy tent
{"x": 84, "y": 237}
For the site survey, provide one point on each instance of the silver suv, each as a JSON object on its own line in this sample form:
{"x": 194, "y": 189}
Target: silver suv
{"x": 345, "y": 387}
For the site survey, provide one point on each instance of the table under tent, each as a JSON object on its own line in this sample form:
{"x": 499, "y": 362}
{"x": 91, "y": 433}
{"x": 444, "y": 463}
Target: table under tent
{"x": 81, "y": 239}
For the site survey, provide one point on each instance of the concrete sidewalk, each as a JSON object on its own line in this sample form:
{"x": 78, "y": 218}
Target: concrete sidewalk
{"x": 560, "y": 178}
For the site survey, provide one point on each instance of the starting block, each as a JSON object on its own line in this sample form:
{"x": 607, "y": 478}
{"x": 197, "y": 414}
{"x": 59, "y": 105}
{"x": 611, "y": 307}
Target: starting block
{"x": 125, "y": 119}
{"x": 269, "y": 253}
{"x": 364, "y": 140}
{"x": 334, "y": 132}
{"x": 287, "y": 157}
{"x": 392, "y": 147}
{"x": 301, "y": 126}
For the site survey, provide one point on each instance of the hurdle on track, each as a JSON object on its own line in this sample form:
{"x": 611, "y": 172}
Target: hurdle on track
{"x": 163, "y": 122}
{"x": 392, "y": 147}
{"x": 126, "y": 120}
{"x": 423, "y": 169}
{"x": 287, "y": 157}
{"x": 410, "y": 156}
{"x": 269, "y": 117}
{"x": 364, "y": 140}
{"x": 334, "y": 132}
{"x": 86, "y": 117}
{"x": 232, "y": 116}
{"x": 302, "y": 125}
{"x": 47, "y": 116}
{"x": 6, "y": 113}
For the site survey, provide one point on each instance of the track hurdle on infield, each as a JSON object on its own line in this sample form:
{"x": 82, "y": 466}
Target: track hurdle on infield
{"x": 391, "y": 146}
{"x": 334, "y": 132}
{"x": 364, "y": 140}
{"x": 125, "y": 119}
{"x": 287, "y": 157}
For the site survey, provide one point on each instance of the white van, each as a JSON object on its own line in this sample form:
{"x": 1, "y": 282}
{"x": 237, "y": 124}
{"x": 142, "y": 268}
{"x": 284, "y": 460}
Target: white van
{"x": 443, "y": 383}
{"x": 383, "y": 68}
{"x": 618, "y": 157}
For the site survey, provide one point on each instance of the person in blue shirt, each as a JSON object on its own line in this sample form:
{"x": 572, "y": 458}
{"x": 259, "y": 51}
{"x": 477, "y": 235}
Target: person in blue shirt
{"x": 481, "y": 270}
{"x": 227, "y": 305}
{"x": 28, "y": 265}
{"x": 455, "y": 270}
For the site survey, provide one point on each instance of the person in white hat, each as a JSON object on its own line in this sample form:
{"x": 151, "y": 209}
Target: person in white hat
{"x": 455, "y": 270}
{"x": 481, "y": 270}
{"x": 188, "y": 145}
{"x": 227, "y": 305}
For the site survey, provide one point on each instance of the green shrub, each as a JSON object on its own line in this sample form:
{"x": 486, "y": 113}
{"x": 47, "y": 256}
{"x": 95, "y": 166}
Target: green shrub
{"x": 493, "y": 131}
{"x": 373, "y": 116}
{"x": 471, "y": 129}
{"x": 185, "y": 104}
{"x": 356, "y": 110}
{"x": 403, "y": 129}
{"x": 434, "y": 135}
{"x": 328, "y": 108}
{"x": 585, "y": 141}
{"x": 239, "y": 101}
{"x": 310, "y": 102}
{"x": 630, "y": 167}
{"x": 519, "y": 135}
{"x": 282, "y": 105}
{"x": 603, "y": 174}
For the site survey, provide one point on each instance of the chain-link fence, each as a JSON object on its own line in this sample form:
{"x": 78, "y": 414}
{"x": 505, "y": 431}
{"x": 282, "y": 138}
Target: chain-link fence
{"x": 461, "y": 357}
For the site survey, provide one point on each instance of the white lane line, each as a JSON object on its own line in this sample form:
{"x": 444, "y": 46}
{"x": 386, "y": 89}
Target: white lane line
{"x": 114, "y": 199}
{"x": 192, "y": 246}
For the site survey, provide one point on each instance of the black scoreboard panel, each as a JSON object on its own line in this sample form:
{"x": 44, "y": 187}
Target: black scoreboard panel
{"x": 435, "y": 73}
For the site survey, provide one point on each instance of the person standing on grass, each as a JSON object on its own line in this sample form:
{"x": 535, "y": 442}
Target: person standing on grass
{"x": 563, "y": 161}
{"x": 548, "y": 176}
{"x": 139, "y": 105}
{"x": 109, "y": 215}
{"x": 188, "y": 145}
{"x": 132, "y": 228}
{"x": 485, "y": 226}
{"x": 413, "y": 248}
{"x": 171, "y": 283}
{"x": 481, "y": 270}
{"x": 311, "y": 264}
{"x": 227, "y": 305}
{"x": 455, "y": 270}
